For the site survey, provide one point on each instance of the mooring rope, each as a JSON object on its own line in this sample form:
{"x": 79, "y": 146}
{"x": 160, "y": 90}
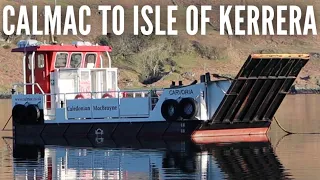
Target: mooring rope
{"x": 7, "y": 124}
{"x": 291, "y": 132}
{"x": 7, "y": 144}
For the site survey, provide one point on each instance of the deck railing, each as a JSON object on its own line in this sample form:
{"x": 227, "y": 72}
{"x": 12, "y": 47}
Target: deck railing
{"x": 53, "y": 101}
{"x": 153, "y": 97}
{"x": 14, "y": 86}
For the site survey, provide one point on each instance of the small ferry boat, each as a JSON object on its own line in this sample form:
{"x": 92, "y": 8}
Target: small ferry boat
{"x": 68, "y": 91}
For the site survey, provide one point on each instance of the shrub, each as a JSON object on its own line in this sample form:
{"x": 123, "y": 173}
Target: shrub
{"x": 102, "y": 40}
{"x": 207, "y": 52}
{"x": 149, "y": 56}
{"x": 152, "y": 66}
{"x": 178, "y": 45}
{"x": 6, "y": 46}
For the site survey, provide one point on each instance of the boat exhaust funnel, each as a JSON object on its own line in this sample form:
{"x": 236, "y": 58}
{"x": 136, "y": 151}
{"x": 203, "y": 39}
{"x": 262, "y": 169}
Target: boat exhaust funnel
{"x": 259, "y": 88}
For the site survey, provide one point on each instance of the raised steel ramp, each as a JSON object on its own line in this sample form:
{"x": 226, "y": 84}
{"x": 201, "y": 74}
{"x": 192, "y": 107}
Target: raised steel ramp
{"x": 259, "y": 88}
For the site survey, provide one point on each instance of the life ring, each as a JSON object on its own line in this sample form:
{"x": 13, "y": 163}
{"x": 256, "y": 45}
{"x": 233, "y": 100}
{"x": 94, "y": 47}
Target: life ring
{"x": 107, "y": 95}
{"x": 33, "y": 113}
{"x": 189, "y": 108}
{"x": 19, "y": 114}
{"x": 124, "y": 94}
{"x": 79, "y": 96}
{"x": 170, "y": 110}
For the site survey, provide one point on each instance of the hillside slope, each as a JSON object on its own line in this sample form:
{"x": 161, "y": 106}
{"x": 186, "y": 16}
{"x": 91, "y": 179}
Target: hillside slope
{"x": 155, "y": 61}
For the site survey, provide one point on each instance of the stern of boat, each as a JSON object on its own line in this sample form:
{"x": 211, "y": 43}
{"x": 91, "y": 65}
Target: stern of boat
{"x": 28, "y": 109}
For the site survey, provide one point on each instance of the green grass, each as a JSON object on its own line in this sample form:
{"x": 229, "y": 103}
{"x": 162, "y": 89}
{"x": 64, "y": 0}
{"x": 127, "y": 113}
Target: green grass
{"x": 187, "y": 61}
{"x": 172, "y": 77}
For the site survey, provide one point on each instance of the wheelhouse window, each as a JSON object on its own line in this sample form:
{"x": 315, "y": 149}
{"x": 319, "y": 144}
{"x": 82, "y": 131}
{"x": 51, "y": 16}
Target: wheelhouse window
{"x": 75, "y": 61}
{"x": 90, "y": 60}
{"x": 61, "y": 60}
{"x": 29, "y": 61}
{"x": 40, "y": 61}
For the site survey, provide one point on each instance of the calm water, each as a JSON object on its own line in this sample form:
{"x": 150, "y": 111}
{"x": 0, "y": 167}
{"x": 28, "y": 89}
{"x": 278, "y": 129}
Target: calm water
{"x": 282, "y": 157}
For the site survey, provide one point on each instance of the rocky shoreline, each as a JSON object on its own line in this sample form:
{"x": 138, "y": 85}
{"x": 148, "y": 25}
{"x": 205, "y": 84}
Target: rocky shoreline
{"x": 306, "y": 91}
{"x": 5, "y": 95}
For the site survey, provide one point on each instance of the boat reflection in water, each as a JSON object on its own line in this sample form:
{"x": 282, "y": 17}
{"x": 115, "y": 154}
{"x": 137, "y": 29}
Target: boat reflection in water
{"x": 249, "y": 158}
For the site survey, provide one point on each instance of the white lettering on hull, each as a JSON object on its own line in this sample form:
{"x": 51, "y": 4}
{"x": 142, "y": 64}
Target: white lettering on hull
{"x": 28, "y": 99}
{"x": 181, "y": 92}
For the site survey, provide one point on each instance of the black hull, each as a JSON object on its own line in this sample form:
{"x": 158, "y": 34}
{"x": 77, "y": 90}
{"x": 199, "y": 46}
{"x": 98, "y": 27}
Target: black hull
{"x": 140, "y": 130}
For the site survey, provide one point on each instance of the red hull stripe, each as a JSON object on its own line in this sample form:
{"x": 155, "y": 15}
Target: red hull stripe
{"x": 230, "y": 135}
{"x": 230, "y": 139}
{"x": 229, "y": 132}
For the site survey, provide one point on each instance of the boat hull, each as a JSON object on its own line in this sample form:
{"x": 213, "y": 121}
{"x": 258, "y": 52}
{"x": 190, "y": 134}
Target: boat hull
{"x": 244, "y": 106}
{"x": 195, "y": 130}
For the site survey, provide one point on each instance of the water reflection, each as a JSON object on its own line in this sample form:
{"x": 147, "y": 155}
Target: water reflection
{"x": 249, "y": 160}
{"x": 152, "y": 160}
{"x": 297, "y": 154}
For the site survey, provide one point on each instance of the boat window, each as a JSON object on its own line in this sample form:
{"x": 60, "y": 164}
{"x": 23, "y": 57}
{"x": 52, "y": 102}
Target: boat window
{"x": 29, "y": 61}
{"x": 61, "y": 60}
{"x": 112, "y": 81}
{"x": 40, "y": 60}
{"x": 75, "y": 60}
{"x": 90, "y": 60}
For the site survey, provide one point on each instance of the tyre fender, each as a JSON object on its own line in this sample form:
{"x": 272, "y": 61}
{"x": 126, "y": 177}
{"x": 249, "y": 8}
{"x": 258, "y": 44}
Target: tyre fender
{"x": 107, "y": 95}
{"x": 79, "y": 96}
{"x": 19, "y": 114}
{"x": 170, "y": 110}
{"x": 189, "y": 108}
{"x": 33, "y": 113}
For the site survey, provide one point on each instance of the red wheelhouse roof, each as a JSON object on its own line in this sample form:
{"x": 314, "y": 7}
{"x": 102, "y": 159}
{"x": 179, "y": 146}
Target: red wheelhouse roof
{"x": 63, "y": 48}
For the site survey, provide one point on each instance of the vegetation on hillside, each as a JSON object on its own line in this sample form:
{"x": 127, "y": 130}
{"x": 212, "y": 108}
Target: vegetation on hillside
{"x": 154, "y": 57}
{"x": 157, "y": 60}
